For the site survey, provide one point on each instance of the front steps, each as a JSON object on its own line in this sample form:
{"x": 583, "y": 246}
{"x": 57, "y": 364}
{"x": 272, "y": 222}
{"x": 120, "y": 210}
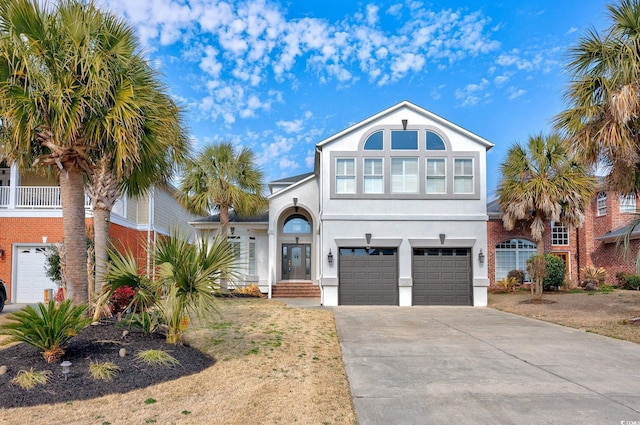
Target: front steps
{"x": 295, "y": 289}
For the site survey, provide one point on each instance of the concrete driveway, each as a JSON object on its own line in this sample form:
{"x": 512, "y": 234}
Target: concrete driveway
{"x": 465, "y": 365}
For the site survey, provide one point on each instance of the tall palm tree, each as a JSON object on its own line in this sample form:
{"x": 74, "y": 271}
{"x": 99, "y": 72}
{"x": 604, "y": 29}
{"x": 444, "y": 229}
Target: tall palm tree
{"x": 59, "y": 64}
{"x": 541, "y": 182}
{"x": 220, "y": 179}
{"x": 603, "y": 117}
{"x": 162, "y": 147}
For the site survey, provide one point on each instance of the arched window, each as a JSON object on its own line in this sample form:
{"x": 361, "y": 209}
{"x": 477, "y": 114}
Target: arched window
{"x": 602, "y": 203}
{"x": 513, "y": 255}
{"x": 435, "y": 142}
{"x": 296, "y": 223}
{"x": 374, "y": 142}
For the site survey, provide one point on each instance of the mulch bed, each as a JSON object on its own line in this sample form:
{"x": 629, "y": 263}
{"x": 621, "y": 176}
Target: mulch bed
{"x": 97, "y": 343}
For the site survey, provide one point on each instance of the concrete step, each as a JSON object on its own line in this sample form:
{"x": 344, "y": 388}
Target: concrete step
{"x": 295, "y": 289}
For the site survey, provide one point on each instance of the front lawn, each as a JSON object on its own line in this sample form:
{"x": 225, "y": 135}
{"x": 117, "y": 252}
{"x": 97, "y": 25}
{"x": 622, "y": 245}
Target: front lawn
{"x": 274, "y": 365}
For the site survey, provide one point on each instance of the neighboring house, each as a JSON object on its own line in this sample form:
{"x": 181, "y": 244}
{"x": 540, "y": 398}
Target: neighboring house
{"x": 31, "y": 219}
{"x": 394, "y": 213}
{"x": 596, "y": 243}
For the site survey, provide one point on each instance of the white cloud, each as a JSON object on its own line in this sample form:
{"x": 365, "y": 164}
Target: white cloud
{"x": 471, "y": 94}
{"x": 294, "y": 126}
{"x": 516, "y": 93}
{"x": 372, "y": 14}
{"x": 394, "y": 9}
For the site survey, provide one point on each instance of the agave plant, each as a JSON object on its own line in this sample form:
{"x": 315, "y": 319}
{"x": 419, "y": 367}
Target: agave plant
{"x": 47, "y": 327}
{"x": 191, "y": 274}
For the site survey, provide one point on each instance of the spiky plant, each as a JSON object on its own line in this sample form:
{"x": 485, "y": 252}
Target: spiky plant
{"x": 27, "y": 379}
{"x": 104, "y": 371}
{"x": 47, "y": 327}
{"x": 157, "y": 357}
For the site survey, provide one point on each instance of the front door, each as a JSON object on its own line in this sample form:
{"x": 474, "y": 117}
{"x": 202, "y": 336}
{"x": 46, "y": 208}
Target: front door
{"x": 296, "y": 262}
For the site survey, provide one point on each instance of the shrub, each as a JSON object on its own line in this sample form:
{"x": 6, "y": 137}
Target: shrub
{"x": 631, "y": 281}
{"x": 122, "y": 299}
{"x": 157, "y": 357}
{"x": 48, "y": 327}
{"x": 146, "y": 321}
{"x": 555, "y": 272}
{"x": 507, "y": 284}
{"x": 621, "y": 278}
{"x": 252, "y": 290}
{"x": 597, "y": 275}
{"x": 518, "y": 275}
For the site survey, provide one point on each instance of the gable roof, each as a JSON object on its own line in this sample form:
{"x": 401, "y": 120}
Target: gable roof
{"x": 406, "y": 104}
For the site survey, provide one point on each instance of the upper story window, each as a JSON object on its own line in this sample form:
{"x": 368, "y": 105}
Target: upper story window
{"x": 416, "y": 163}
{"x": 463, "y": 175}
{"x": 296, "y": 223}
{"x": 435, "y": 142}
{"x": 374, "y": 142}
{"x": 404, "y": 175}
{"x": 436, "y": 175}
{"x": 404, "y": 140}
{"x": 602, "y": 203}
{"x": 628, "y": 204}
{"x": 373, "y": 175}
{"x": 345, "y": 175}
{"x": 559, "y": 234}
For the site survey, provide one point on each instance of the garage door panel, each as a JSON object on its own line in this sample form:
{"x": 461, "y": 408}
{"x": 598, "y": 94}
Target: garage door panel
{"x": 442, "y": 277}
{"x": 31, "y": 279}
{"x": 366, "y": 277}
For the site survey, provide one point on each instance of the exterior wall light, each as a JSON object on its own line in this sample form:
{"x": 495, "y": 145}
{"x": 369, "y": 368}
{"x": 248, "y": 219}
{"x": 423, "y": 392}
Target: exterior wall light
{"x": 233, "y": 230}
{"x": 404, "y": 124}
{"x": 330, "y": 258}
{"x": 295, "y": 204}
{"x": 368, "y": 237}
{"x": 481, "y": 256}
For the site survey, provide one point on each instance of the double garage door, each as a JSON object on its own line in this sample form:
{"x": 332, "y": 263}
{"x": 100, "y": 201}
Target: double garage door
{"x": 370, "y": 276}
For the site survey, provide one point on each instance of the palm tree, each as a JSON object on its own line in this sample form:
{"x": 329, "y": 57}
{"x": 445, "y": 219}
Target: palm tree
{"x": 66, "y": 89}
{"x": 162, "y": 147}
{"x": 220, "y": 179}
{"x": 603, "y": 118}
{"x": 541, "y": 182}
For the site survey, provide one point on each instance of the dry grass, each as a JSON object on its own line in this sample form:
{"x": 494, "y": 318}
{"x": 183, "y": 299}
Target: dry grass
{"x": 276, "y": 365}
{"x": 598, "y": 312}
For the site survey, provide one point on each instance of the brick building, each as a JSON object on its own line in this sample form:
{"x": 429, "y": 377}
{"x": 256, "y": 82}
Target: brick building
{"x": 597, "y": 243}
{"x": 31, "y": 219}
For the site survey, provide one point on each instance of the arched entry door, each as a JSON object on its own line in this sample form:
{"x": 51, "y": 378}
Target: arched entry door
{"x": 296, "y": 249}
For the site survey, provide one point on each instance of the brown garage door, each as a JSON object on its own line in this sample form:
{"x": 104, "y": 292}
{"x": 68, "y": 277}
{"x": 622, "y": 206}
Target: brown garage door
{"x": 442, "y": 277}
{"x": 368, "y": 276}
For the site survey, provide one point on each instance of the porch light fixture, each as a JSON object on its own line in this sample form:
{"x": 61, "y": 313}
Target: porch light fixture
{"x": 233, "y": 230}
{"x": 480, "y": 256}
{"x": 442, "y": 238}
{"x": 295, "y": 204}
{"x": 66, "y": 368}
{"x": 404, "y": 124}
{"x": 330, "y": 257}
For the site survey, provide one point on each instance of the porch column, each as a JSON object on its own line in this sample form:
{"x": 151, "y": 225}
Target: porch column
{"x": 14, "y": 176}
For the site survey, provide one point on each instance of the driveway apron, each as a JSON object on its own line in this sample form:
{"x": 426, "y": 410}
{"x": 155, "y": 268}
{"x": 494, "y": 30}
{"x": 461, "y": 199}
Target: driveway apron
{"x": 466, "y": 365}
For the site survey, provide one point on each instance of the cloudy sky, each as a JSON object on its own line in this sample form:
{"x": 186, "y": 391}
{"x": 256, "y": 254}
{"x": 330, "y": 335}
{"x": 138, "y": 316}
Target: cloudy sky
{"x": 280, "y": 76}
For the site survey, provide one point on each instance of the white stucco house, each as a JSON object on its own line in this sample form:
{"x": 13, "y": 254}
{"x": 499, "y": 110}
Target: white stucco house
{"x": 394, "y": 213}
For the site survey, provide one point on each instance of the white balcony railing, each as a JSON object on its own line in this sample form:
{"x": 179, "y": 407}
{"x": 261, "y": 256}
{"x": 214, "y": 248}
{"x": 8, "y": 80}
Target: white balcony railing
{"x": 33, "y": 197}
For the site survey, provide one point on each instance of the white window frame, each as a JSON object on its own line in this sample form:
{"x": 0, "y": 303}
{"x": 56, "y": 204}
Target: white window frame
{"x": 601, "y": 204}
{"x": 433, "y": 176}
{"x": 343, "y": 178}
{"x": 405, "y": 180}
{"x": 463, "y": 176}
{"x": 559, "y": 234}
{"x": 370, "y": 175}
{"x": 628, "y": 204}
{"x": 252, "y": 257}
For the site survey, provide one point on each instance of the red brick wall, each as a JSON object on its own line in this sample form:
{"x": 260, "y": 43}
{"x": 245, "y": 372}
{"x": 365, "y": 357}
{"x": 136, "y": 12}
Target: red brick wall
{"x": 496, "y": 233}
{"x": 31, "y": 230}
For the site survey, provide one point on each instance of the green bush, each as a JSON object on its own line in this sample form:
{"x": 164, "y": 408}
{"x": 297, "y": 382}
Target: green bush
{"x": 146, "y": 321}
{"x": 555, "y": 272}
{"x": 48, "y": 327}
{"x": 628, "y": 281}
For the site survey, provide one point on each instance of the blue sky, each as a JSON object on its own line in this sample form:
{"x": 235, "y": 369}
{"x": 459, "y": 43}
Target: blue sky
{"x": 280, "y": 76}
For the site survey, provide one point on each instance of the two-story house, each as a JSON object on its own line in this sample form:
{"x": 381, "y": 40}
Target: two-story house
{"x": 31, "y": 219}
{"x": 394, "y": 214}
{"x": 597, "y": 243}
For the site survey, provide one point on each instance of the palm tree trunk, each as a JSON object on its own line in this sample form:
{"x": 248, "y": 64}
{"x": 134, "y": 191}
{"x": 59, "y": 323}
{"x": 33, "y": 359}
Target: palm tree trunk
{"x": 75, "y": 233}
{"x": 101, "y": 224}
{"x": 536, "y": 290}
